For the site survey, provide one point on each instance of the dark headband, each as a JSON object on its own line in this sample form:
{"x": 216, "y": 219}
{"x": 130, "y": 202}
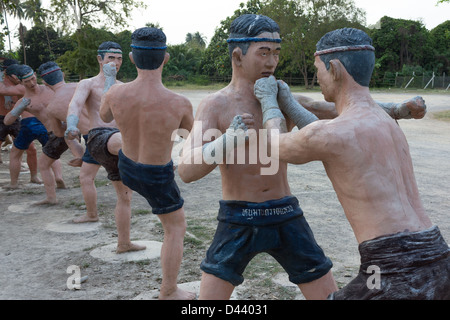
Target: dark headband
{"x": 253, "y": 40}
{"x": 148, "y": 48}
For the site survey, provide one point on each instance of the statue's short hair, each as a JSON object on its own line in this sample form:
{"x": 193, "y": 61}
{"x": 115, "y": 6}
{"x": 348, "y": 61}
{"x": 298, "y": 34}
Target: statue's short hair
{"x": 148, "y": 48}
{"x": 107, "y": 46}
{"x": 20, "y": 70}
{"x": 8, "y": 62}
{"x": 249, "y": 26}
{"x": 51, "y": 73}
{"x": 353, "y": 48}
{"x": 13, "y": 70}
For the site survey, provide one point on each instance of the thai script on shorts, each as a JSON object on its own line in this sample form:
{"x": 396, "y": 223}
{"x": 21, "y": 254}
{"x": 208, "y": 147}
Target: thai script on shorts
{"x": 267, "y": 212}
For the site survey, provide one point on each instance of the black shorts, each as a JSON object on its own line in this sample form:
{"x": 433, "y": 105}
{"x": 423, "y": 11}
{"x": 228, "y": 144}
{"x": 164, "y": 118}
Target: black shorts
{"x": 155, "y": 183}
{"x": 276, "y": 227}
{"x": 97, "y": 144}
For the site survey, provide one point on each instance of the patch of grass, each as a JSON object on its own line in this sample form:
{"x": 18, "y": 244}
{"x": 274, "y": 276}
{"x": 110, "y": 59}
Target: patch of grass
{"x": 442, "y": 115}
{"x": 263, "y": 265}
{"x": 140, "y": 211}
{"x": 200, "y": 231}
{"x": 31, "y": 191}
{"x": 101, "y": 183}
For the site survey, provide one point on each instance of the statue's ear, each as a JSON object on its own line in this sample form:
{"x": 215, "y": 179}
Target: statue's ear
{"x": 236, "y": 56}
{"x": 336, "y": 69}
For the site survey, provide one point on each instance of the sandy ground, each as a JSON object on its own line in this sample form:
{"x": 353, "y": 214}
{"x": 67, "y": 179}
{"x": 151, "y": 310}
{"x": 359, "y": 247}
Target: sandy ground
{"x": 39, "y": 244}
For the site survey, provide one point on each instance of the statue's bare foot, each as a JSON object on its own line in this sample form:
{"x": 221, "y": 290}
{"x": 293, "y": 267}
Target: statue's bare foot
{"x": 46, "y": 202}
{"x": 35, "y": 180}
{"x": 76, "y": 162}
{"x": 129, "y": 247}
{"x": 7, "y": 141}
{"x": 178, "y": 294}
{"x": 11, "y": 187}
{"x": 85, "y": 219}
{"x": 60, "y": 184}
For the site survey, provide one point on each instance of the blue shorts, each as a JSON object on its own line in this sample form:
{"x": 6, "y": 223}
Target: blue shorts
{"x": 155, "y": 183}
{"x": 30, "y": 129}
{"x": 87, "y": 156}
{"x": 276, "y": 227}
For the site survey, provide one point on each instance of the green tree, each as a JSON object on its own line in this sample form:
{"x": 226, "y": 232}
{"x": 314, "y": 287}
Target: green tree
{"x": 440, "y": 42}
{"x": 401, "y": 42}
{"x": 43, "y": 44}
{"x": 128, "y": 69}
{"x": 195, "y": 40}
{"x": 82, "y": 60}
{"x": 13, "y": 8}
{"x": 216, "y": 60}
{"x": 302, "y": 23}
{"x": 81, "y": 13}
{"x": 32, "y": 10}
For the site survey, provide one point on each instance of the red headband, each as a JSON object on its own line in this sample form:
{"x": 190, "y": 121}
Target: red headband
{"x": 343, "y": 49}
{"x": 50, "y": 72}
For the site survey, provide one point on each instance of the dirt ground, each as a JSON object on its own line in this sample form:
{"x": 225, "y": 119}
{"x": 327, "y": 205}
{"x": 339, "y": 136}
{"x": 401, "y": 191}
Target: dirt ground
{"x": 34, "y": 259}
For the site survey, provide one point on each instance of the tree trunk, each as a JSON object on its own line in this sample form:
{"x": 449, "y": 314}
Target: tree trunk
{"x": 7, "y": 28}
{"x": 22, "y": 30}
{"x": 77, "y": 18}
{"x": 313, "y": 81}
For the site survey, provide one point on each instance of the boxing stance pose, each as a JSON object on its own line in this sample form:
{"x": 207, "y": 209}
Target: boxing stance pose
{"x": 147, "y": 114}
{"x": 258, "y": 212}
{"x": 103, "y": 140}
{"x": 366, "y": 156}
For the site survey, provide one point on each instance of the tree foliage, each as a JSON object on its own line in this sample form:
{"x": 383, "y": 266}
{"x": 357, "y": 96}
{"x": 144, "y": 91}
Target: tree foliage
{"x": 44, "y": 44}
{"x": 80, "y": 13}
{"x": 403, "y": 46}
{"x": 216, "y": 61}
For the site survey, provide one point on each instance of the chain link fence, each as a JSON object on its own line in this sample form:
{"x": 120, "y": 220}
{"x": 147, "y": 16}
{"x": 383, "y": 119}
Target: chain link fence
{"x": 415, "y": 81}
{"x": 388, "y": 81}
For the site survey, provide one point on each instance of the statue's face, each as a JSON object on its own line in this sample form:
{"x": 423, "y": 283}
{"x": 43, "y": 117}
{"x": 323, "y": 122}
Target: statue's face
{"x": 262, "y": 58}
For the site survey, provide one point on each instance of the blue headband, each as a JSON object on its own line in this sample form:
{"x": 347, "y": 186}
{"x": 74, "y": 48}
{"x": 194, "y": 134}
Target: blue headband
{"x": 254, "y": 40}
{"x": 149, "y": 48}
